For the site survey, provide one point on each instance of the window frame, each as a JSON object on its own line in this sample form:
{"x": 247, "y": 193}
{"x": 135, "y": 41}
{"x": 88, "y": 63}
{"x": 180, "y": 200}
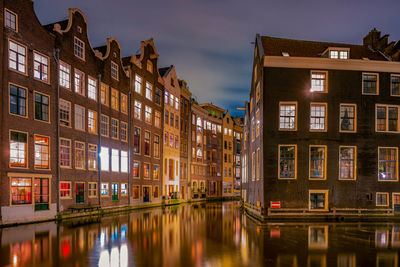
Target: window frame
{"x": 326, "y": 80}
{"x": 84, "y": 118}
{"x": 26, "y": 100}
{"x": 69, "y": 111}
{"x": 70, "y": 189}
{"x": 325, "y": 117}
{"x": 354, "y": 164}
{"x": 48, "y": 67}
{"x": 114, "y": 67}
{"x": 126, "y": 131}
{"x": 397, "y": 164}
{"x": 83, "y": 48}
{"x": 75, "y": 155}
{"x": 117, "y": 129}
{"x": 326, "y": 200}
{"x": 295, "y": 161}
{"x": 26, "y": 150}
{"x": 106, "y": 94}
{"x": 325, "y": 162}
{"x": 140, "y": 140}
{"x": 96, "y": 158}
{"x": 48, "y": 106}
{"x": 138, "y": 163}
{"x": 91, "y": 190}
{"x": 26, "y": 57}
{"x": 124, "y": 103}
{"x": 355, "y": 117}
{"x": 115, "y": 104}
{"x": 108, "y": 125}
{"x": 49, "y": 152}
{"x": 16, "y": 19}
{"x": 391, "y": 84}
{"x": 70, "y": 154}
{"x": 67, "y": 66}
{"x": 377, "y": 83}
{"x": 387, "y": 106}
{"x": 387, "y": 199}
{"x": 96, "y": 121}
{"x": 284, "y": 103}
{"x": 93, "y": 95}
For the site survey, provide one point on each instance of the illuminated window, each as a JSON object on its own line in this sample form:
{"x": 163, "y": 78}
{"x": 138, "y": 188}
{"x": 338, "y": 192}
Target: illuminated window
{"x": 157, "y": 98}
{"x": 287, "y": 116}
{"x": 104, "y": 190}
{"x": 40, "y": 67}
{"x": 65, "y": 190}
{"x": 176, "y": 142}
{"x": 348, "y": 117}
{"x": 156, "y": 191}
{"x": 115, "y": 160}
{"x": 124, "y": 103}
{"x": 114, "y": 128}
{"x": 146, "y": 143}
{"x": 124, "y": 131}
{"x": 124, "y": 189}
{"x": 42, "y": 152}
{"x": 41, "y": 107}
{"x": 136, "y": 169}
{"x": 138, "y": 110}
{"x": 79, "y": 48}
{"x": 171, "y": 140}
{"x": 370, "y": 83}
{"x": 79, "y": 118}
{"x": 104, "y": 94}
{"x": 171, "y": 100}
{"x": 92, "y": 88}
{"x": 92, "y": 121}
{"x": 318, "y": 116}
{"x": 334, "y": 54}
{"x": 79, "y": 155}
{"x": 147, "y": 114}
{"x": 92, "y": 190}
{"x": 318, "y": 199}
{"x": 156, "y": 146}
{"x": 166, "y": 97}
{"x": 347, "y": 162}
{"x": 79, "y": 82}
{"x": 114, "y": 70}
{"x": 124, "y": 161}
{"x": 138, "y": 84}
{"x": 257, "y": 123}
{"x": 157, "y": 119}
{"x": 382, "y": 199}
{"x": 10, "y": 20}
{"x": 17, "y": 57}
{"x": 387, "y": 118}
{"x": 65, "y": 113}
{"x": 343, "y": 55}
{"x": 105, "y": 158}
{"x": 388, "y": 163}
{"x": 287, "y": 161}
{"x": 136, "y": 140}
{"x": 317, "y": 162}
{"x": 146, "y": 170}
{"x": 176, "y": 103}
{"x": 156, "y": 172}
{"x": 92, "y": 157}
{"x": 319, "y": 81}
{"x": 65, "y": 153}
{"x": 149, "y": 66}
{"x": 65, "y": 75}
{"x": 17, "y": 100}
{"x": 135, "y": 191}
{"x": 395, "y": 85}
{"x": 114, "y": 99}
{"x": 149, "y": 91}
{"x": 104, "y": 124}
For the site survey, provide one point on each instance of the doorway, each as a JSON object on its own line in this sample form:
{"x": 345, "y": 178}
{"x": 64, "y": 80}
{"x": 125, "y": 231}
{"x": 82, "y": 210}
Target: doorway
{"x": 80, "y": 192}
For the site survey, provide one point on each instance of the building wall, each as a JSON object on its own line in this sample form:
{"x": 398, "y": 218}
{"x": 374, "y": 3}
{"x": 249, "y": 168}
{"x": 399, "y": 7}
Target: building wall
{"x": 185, "y": 140}
{"x": 228, "y": 157}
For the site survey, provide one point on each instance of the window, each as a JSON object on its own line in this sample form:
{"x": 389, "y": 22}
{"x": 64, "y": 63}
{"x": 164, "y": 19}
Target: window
{"x": 42, "y": 152}
{"x": 92, "y": 88}
{"x": 382, "y": 199}
{"x": 114, "y": 128}
{"x": 348, "y": 118}
{"x": 79, "y": 155}
{"x": 177, "y": 122}
{"x": 156, "y": 191}
{"x": 318, "y": 117}
{"x": 17, "y": 57}
{"x": 287, "y": 161}
{"x": 138, "y": 110}
{"x": 317, "y": 162}
{"x": 171, "y": 119}
{"x": 146, "y": 170}
{"x": 287, "y": 117}
{"x": 149, "y": 66}
{"x": 65, "y": 111}
{"x": 147, "y": 114}
{"x": 79, "y": 118}
{"x": 40, "y": 67}
{"x": 166, "y": 138}
{"x": 394, "y": 85}
{"x": 104, "y": 94}
{"x": 124, "y": 161}
{"x": 319, "y": 81}
{"x": 387, "y": 118}
{"x": 124, "y": 189}
{"x": 124, "y": 103}
{"x": 79, "y": 48}
{"x": 347, "y": 162}
{"x": 138, "y": 84}
{"x": 18, "y": 100}
{"x": 166, "y": 97}
{"x": 92, "y": 121}
{"x": 318, "y": 199}
{"x": 176, "y": 103}
{"x": 157, "y": 119}
{"x": 253, "y": 166}
{"x": 104, "y": 189}
{"x": 136, "y": 169}
{"x": 257, "y": 123}
{"x": 146, "y": 143}
{"x": 135, "y": 191}
{"x": 79, "y": 82}
{"x": 65, "y": 190}
{"x": 149, "y": 91}
{"x": 171, "y": 140}
{"x": 104, "y": 123}
{"x": 92, "y": 190}
{"x": 166, "y": 119}
{"x": 388, "y": 164}
{"x": 156, "y": 146}
{"x": 156, "y": 172}
{"x": 10, "y": 20}
{"x": 136, "y": 140}
{"x": 114, "y": 99}
{"x": 334, "y": 54}
{"x": 41, "y": 107}
{"x": 65, "y": 75}
{"x": 65, "y": 153}
{"x": 370, "y": 83}
{"x": 114, "y": 70}
{"x": 171, "y": 100}
{"x": 115, "y": 160}
{"x": 105, "y": 158}
{"x": 157, "y": 98}
{"x": 92, "y": 157}
{"x": 343, "y": 54}
{"x": 124, "y": 131}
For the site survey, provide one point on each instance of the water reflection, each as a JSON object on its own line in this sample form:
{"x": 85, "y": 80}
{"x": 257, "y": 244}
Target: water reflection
{"x": 207, "y": 234}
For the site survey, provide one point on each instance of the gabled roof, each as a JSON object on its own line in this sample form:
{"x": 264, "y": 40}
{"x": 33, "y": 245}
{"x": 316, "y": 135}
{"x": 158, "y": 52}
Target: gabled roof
{"x": 102, "y": 49}
{"x": 164, "y": 71}
{"x": 298, "y": 48}
{"x": 63, "y": 24}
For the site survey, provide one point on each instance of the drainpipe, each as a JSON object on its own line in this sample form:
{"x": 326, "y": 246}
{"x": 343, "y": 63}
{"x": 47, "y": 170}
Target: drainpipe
{"x": 58, "y": 169}
{"x": 99, "y": 136}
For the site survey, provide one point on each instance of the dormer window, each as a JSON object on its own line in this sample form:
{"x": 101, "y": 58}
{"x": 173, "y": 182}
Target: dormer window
{"x": 149, "y": 66}
{"x": 285, "y": 54}
{"x": 339, "y": 53}
{"x": 334, "y": 54}
{"x": 343, "y": 55}
{"x": 79, "y": 48}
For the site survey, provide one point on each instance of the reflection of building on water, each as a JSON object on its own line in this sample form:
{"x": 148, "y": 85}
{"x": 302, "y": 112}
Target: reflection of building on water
{"x": 318, "y": 237}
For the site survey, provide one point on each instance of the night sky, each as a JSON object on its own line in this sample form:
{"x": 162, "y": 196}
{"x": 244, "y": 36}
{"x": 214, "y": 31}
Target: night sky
{"x": 209, "y": 41}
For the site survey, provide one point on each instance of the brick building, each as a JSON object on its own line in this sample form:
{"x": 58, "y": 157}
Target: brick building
{"x": 185, "y": 140}
{"x": 237, "y": 159}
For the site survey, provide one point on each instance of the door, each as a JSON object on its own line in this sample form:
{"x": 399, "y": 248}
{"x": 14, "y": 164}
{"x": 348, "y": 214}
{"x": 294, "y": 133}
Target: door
{"x": 80, "y": 192}
{"x": 171, "y": 190}
{"x": 41, "y": 193}
{"x": 114, "y": 192}
{"x": 146, "y": 194}
{"x": 396, "y": 202}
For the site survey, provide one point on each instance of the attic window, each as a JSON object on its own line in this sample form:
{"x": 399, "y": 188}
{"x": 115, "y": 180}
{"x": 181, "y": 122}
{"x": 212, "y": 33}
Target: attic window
{"x": 79, "y": 29}
{"x": 339, "y": 53}
{"x": 149, "y": 66}
{"x": 285, "y": 54}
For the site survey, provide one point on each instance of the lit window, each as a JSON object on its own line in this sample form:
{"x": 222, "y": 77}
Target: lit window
{"x": 348, "y": 117}
{"x": 287, "y": 161}
{"x": 104, "y": 124}
{"x": 124, "y": 131}
{"x": 124, "y": 161}
{"x": 318, "y": 199}
{"x": 92, "y": 157}
{"x": 395, "y": 85}
{"x": 124, "y": 189}
{"x": 40, "y": 67}
{"x": 10, "y": 20}
{"x": 157, "y": 98}
{"x": 135, "y": 191}
{"x": 319, "y": 81}
{"x": 17, "y": 57}
{"x": 136, "y": 140}
{"x": 343, "y": 55}
{"x": 387, "y": 118}
{"x": 114, "y": 128}
{"x": 79, "y": 118}
{"x": 147, "y": 114}
{"x": 149, "y": 66}
{"x": 92, "y": 190}
{"x": 65, "y": 153}
{"x": 115, "y": 160}
{"x": 176, "y": 142}
{"x": 65, "y": 112}
{"x": 347, "y": 162}
{"x": 157, "y": 119}
{"x": 114, "y": 70}
{"x": 156, "y": 146}
{"x": 318, "y": 117}
{"x": 79, "y": 155}
{"x": 149, "y": 91}
{"x": 176, "y": 103}
{"x": 136, "y": 169}
{"x": 92, "y": 121}
{"x": 138, "y": 84}
{"x": 114, "y": 99}
{"x": 146, "y": 170}
{"x": 334, "y": 54}
{"x": 105, "y": 158}
{"x": 41, "y": 107}
{"x": 166, "y": 97}
{"x": 156, "y": 172}
{"x": 138, "y": 110}
{"x": 146, "y": 143}
{"x": 17, "y": 100}
{"x": 370, "y": 83}
{"x": 79, "y": 82}
{"x": 104, "y": 94}
{"x": 65, "y": 190}
{"x": 65, "y": 75}
{"x": 285, "y": 54}
{"x": 18, "y": 149}
{"x": 171, "y": 100}
{"x": 155, "y": 191}
{"x": 42, "y": 152}
{"x": 171, "y": 140}
{"x": 317, "y": 162}
{"x": 104, "y": 189}
{"x": 124, "y": 103}
{"x": 387, "y": 168}
{"x": 79, "y": 48}
{"x": 382, "y": 199}
{"x": 287, "y": 116}
{"x": 92, "y": 88}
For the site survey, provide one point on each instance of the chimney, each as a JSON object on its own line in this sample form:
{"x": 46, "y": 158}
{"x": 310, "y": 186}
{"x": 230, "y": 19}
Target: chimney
{"x": 372, "y": 39}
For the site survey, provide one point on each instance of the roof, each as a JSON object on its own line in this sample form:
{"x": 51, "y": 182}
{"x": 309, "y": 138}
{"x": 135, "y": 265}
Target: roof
{"x": 298, "y": 48}
{"x": 101, "y": 49}
{"x": 63, "y": 24}
{"x": 164, "y": 71}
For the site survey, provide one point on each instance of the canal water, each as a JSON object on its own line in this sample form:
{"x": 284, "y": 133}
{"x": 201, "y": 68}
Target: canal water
{"x": 206, "y": 234}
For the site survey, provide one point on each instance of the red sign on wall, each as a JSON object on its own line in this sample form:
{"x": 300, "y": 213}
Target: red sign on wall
{"x": 275, "y": 205}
